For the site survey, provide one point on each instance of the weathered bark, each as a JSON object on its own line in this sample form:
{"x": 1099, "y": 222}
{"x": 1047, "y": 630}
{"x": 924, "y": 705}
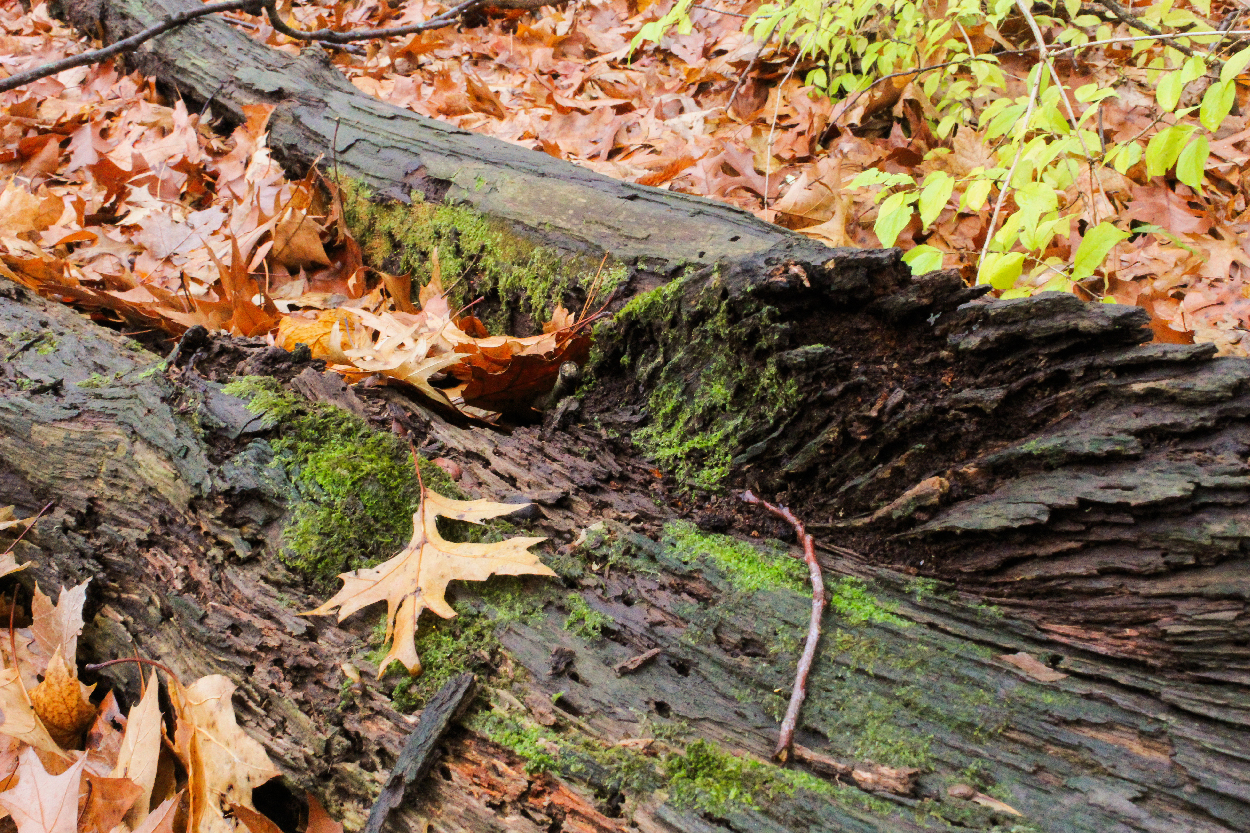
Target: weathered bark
{"x": 164, "y": 496}
{"x": 1030, "y": 453}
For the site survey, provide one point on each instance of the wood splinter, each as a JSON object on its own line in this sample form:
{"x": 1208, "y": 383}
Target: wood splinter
{"x": 799, "y": 694}
{"x": 418, "y": 753}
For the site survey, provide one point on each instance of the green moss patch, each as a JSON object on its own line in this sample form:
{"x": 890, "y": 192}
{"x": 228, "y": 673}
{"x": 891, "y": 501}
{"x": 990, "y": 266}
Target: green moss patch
{"x": 746, "y": 566}
{"x": 476, "y": 254}
{"x": 707, "y": 394}
{"x": 358, "y": 487}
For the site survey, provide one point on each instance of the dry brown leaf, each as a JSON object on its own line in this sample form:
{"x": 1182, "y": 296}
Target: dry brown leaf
{"x": 140, "y": 751}
{"x": 108, "y": 800}
{"x": 56, "y": 627}
{"x": 43, "y": 803}
{"x": 417, "y": 578}
{"x": 62, "y": 703}
{"x": 319, "y": 820}
{"x": 104, "y": 738}
{"x": 254, "y": 821}
{"x": 17, "y": 718}
{"x": 223, "y": 763}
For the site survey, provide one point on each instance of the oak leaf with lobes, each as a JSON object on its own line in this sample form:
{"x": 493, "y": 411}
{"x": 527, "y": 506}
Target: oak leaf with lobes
{"x": 417, "y": 578}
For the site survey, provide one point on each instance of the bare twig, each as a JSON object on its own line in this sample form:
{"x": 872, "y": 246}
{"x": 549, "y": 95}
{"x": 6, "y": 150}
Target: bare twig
{"x": 799, "y": 694}
{"x": 94, "y": 56}
{"x": 719, "y": 11}
{"x": 329, "y": 37}
{"x": 1166, "y": 36}
{"x": 1006, "y": 184}
{"x": 1043, "y": 56}
{"x": 1121, "y": 14}
{"x": 29, "y": 527}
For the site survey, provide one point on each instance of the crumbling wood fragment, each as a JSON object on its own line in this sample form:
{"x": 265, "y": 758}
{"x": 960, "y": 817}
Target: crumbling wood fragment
{"x": 417, "y": 756}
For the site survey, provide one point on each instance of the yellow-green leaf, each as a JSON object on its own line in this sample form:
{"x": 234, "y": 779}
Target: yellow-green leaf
{"x": 923, "y": 259}
{"x": 1001, "y": 270}
{"x": 938, "y": 187}
{"x": 893, "y": 217}
{"x": 1094, "y": 247}
{"x": 1217, "y": 103}
{"x": 1191, "y": 165}
{"x": 1164, "y": 147}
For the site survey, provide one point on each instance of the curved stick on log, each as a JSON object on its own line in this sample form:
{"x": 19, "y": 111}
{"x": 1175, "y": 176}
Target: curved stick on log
{"x": 799, "y": 694}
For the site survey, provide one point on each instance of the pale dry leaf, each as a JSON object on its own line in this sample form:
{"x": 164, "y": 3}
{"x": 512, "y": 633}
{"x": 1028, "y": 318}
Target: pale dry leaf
{"x": 17, "y": 718}
{"x": 43, "y": 803}
{"x": 223, "y": 763}
{"x": 140, "y": 750}
{"x": 160, "y": 820}
{"x": 417, "y": 578}
{"x": 56, "y": 627}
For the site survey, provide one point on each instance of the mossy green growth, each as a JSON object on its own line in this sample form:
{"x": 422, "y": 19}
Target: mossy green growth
{"x": 706, "y": 394}
{"x": 480, "y": 255}
{"x": 583, "y": 619}
{"x": 712, "y": 780}
{"x": 851, "y": 599}
{"x": 532, "y": 742}
{"x": 358, "y": 487}
{"x": 447, "y": 647}
{"x": 747, "y": 567}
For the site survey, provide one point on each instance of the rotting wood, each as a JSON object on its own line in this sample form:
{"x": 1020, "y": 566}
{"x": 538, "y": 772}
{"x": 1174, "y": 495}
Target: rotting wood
{"x": 417, "y": 757}
{"x": 140, "y": 495}
{"x": 1042, "y": 482}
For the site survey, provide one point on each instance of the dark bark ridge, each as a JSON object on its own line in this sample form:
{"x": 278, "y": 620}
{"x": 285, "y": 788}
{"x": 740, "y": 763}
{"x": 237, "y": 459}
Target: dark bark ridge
{"x": 1034, "y": 451}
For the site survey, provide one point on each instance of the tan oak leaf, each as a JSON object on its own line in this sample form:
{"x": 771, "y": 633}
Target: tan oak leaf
{"x": 417, "y": 578}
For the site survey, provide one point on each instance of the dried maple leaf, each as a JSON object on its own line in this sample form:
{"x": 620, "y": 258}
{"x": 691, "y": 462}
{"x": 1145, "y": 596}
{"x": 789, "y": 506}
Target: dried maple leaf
{"x": 139, "y": 755}
{"x": 223, "y": 763}
{"x": 57, "y": 626}
{"x": 417, "y": 578}
{"x": 62, "y": 703}
{"x": 43, "y": 803}
{"x": 18, "y": 719}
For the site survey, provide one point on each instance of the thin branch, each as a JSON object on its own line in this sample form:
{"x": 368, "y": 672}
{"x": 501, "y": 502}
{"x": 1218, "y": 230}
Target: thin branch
{"x": 1122, "y": 15}
{"x": 1043, "y": 57}
{"x": 799, "y": 694}
{"x": 1006, "y": 186}
{"x": 719, "y": 11}
{"x": 1162, "y": 37}
{"x": 94, "y": 56}
{"x": 29, "y": 526}
{"x": 335, "y": 36}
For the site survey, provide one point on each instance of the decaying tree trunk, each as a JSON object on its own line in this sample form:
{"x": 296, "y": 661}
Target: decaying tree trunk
{"x": 1047, "y": 520}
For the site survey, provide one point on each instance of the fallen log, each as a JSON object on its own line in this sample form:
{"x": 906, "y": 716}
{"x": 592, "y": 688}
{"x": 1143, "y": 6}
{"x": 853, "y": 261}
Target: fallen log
{"x": 1039, "y": 522}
